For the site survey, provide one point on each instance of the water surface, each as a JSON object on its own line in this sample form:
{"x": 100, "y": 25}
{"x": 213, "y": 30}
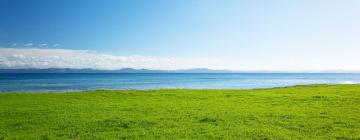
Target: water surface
{"x": 79, "y": 82}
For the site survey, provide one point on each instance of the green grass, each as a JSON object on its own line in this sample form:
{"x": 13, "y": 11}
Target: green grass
{"x": 301, "y": 112}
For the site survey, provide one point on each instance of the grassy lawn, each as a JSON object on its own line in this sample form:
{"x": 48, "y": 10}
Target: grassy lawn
{"x": 302, "y": 112}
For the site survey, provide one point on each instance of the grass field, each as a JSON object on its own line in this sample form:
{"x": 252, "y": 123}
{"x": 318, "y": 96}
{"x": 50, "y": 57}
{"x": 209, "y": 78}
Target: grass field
{"x": 301, "y": 112}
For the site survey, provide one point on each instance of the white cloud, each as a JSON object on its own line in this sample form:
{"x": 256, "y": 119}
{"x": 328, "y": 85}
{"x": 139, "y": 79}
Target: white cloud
{"x": 67, "y": 58}
{"x": 64, "y": 58}
{"x": 28, "y": 44}
{"x": 55, "y": 45}
{"x": 43, "y": 45}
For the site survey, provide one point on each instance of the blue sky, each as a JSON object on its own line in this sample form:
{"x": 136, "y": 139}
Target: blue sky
{"x": 244, "y": 35}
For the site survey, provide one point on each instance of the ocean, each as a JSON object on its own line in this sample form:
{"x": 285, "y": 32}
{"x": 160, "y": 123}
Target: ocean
{"x": 79, "y": 82}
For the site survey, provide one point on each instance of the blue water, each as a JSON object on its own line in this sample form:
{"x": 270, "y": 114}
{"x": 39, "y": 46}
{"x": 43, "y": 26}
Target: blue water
{"x": 79, "y": 82}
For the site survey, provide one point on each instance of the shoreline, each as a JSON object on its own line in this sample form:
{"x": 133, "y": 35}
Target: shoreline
{"x": 184, "y": 89}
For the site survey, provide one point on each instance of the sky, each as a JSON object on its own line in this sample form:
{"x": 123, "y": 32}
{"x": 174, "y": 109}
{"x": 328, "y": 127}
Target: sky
{"x": 180, "y": 34}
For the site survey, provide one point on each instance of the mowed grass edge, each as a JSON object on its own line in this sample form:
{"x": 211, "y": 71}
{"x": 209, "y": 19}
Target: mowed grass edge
{"x": 300, "y": 112}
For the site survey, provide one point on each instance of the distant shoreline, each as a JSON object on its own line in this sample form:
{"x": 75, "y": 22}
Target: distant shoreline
{"x": 154, "y": 71}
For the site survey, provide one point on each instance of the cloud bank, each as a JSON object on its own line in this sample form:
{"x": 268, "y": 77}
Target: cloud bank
{"x": 65, "y": 58}
{"x": 28, "y": 44}
{"x": 14, "y": 58}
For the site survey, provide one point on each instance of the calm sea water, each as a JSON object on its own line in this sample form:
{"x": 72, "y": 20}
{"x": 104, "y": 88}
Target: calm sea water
{"x": 78, "y": 82}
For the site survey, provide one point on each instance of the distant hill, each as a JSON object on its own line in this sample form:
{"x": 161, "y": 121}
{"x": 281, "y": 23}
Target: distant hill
{"x": 131, "y": 70}
{"x": 124, "y": 70}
